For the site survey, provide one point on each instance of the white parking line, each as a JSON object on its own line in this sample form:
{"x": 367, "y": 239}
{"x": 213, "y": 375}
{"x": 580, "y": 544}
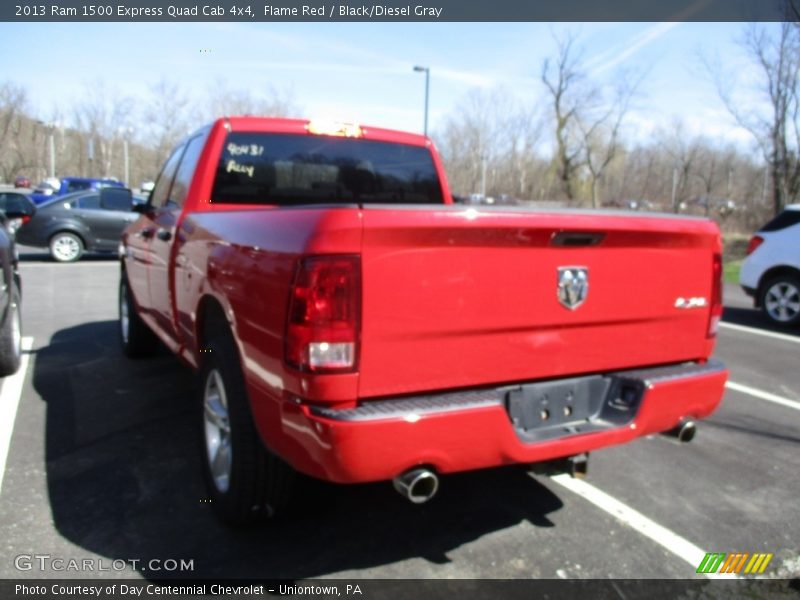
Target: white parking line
{"x": 755, "y": 331}
{"x": 680, "y": 547}
{"x": 746, "y": 389}
{"x": 10, "y": 395}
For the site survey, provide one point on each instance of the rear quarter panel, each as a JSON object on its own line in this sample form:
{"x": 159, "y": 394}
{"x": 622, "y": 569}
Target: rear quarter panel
{"x": 245, "y": 260}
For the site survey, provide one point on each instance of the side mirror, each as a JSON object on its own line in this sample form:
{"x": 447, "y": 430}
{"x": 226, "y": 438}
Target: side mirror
{"x": 116, "y": 198}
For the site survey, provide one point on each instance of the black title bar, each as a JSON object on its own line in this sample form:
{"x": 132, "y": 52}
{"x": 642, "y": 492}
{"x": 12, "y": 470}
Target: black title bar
{"x": 400, "y": 10}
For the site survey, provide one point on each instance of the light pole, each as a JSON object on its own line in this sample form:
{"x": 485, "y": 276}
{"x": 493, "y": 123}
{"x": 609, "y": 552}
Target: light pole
{"x": 427, "y": 71}
{"x": 483, "y": 174}
{"x": 676, "y": 209}
{"x": 52, "y": 143}
{"x": 51, "y": 127}
{"x": 126, "y": 132}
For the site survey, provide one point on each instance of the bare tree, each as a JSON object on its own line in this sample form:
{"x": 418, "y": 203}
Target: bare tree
{"x": 167, "y": 116}
{"x": 467, "y": 140}
{"x": 588, "y": 118}
{"x": 15, "y": 154}
{"x": 101, "y": 118}
{"x": 524, "y": 131}
{"x": 683, "y": 152}
{"x": 777, "y": 58}
{"x": 601, "y": 130}
{"x": 488, "y": 144}
{"x": 563, "y": 79}
{"x": 268, "y": 101}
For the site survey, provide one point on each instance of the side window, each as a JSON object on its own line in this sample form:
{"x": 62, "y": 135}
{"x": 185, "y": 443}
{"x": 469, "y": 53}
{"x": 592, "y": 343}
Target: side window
{"x": 183, "y": 178}
{"x": 90, "y": 201}
{"x": 116, "y": 198}
{"x": 160, "y": 193}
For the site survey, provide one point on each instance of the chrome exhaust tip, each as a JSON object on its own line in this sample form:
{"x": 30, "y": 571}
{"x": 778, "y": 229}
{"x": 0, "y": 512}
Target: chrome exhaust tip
{"x": 417, "y": 485}
{"x": 684, "y": 432}
{"x": 687, "y": 431}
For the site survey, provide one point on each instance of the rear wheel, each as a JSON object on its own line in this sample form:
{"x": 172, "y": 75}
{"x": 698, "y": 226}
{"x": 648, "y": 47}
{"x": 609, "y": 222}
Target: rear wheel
{"x": 11, "y": 336}
{"x": 137, "y": 339}
{"x": 66, "y": 247}
{"x": 248, "y": 484}
{"x": 780, "y": 300}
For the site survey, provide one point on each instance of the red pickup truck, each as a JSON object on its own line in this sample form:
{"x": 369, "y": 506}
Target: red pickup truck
{"x": 349, "y": 322}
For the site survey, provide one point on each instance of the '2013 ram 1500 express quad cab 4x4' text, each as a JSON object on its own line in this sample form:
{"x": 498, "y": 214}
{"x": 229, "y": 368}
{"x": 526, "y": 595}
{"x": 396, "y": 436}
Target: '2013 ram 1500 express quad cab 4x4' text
{"x": 348, "y": 321}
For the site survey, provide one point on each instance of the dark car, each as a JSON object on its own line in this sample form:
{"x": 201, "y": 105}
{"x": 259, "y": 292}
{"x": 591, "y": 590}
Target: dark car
{"x": 10, "y": 297}
{"x": 22, "y": 182}
{"x": 19, "y": 205}
{"x": 72, "y": 224}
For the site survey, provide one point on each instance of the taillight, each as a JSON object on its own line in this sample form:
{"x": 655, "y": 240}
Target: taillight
{"x": 25, "y": 219}
{"x": 324, "y": 315}
{"x": 716, "y": 296}
{"x": 754, "y": 243}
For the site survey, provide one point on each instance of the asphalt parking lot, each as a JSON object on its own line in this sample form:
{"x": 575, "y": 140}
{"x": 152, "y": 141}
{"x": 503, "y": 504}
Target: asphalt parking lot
{"x": 103, "y": 462}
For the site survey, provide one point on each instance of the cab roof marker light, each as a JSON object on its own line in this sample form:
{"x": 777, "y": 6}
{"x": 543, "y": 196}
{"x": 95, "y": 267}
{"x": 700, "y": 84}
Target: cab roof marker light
{"x": 335, "y": 128}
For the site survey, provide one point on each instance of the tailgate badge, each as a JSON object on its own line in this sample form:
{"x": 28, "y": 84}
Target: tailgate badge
{"x": 573, "y": 286}
{"x": 697, "y": 302}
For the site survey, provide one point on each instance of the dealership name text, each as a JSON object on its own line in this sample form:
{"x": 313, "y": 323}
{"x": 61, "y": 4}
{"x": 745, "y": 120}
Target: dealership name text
{"x": 60, "y": 589}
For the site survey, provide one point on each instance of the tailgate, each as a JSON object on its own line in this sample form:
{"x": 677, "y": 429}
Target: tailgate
{"x": 456, "y": 297}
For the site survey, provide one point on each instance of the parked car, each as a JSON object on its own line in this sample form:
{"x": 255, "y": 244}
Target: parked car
{"x": 771, "y": 272}
{"x": 70, "y": 185}
{"x": 22, "y": 182}
{"x": 506, "y": 199}
{"x": 72, "y": 224}
{"x": 349, "y": 322}
{"x": 629, "y": 204}
{"x": 10, "y": 299}
{"x": 48, "y": 187}
{"x": 19, "y": 205}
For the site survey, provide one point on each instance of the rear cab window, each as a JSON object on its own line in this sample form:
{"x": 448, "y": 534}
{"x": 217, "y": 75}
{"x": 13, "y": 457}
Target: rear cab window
{"x": 291, "y": 169}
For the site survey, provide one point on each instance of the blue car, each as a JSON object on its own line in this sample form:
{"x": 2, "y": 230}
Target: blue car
{"x": 70, "y": 185}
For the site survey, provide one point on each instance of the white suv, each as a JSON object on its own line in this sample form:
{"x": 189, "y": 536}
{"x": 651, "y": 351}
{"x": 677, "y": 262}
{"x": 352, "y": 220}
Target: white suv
{"x": 771, "y": 271}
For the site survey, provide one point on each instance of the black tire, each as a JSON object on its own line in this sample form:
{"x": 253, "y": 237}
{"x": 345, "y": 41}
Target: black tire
{"x": 780, "y": 300}
{"x": 137, "y": 339}
{"x": 11, "y": 336}
{"x": 258, "y": 484}
{"x": 66, "y": 247}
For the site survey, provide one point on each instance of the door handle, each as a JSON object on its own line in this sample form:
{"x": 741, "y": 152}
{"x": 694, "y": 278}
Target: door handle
{"x": 164, "y": 235}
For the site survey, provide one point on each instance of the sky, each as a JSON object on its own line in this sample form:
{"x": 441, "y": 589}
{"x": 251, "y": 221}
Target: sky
{"x": 363, "y": 72}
